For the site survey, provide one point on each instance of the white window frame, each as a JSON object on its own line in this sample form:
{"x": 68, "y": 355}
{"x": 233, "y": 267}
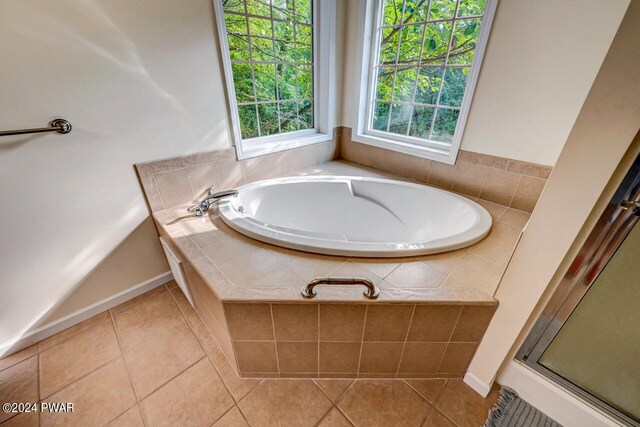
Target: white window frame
{"x": 367, "y": 56}
{"x": 324, "y": 64}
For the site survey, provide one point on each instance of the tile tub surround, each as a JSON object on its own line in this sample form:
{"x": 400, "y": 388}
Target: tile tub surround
{"x": 507, "y": 182}
{"x": 179, "y": 180}
{"x": 196, "y": 385}
{"x": 229, "y": 274}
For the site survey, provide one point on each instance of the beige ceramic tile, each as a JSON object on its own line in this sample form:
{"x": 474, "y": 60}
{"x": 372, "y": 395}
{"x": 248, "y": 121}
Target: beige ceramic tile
{"x": 339, "y": 357}
{"x": 214, "y": 155}
{"x": 238, "y": 387}
{"x": 137, "y": 300}
{"x": 171, "y": 352}
{"x": 233, "y": 418}
{"x": 206, "y": 340}
{"x": 297, "y": 356}
{"x": 334, "y": 419}
{"x": 422, "y": 358}
{"x": 307, "y": 266}
{"x": 285, "y": 402}
{"x": 19, "y": 384}
{"x": 245, "y": 270}
{"x": 280, "y": 277}
{"x": 442, "y": 175}
{"x": 461, "y": 404}
{"x": 334, "y": 389}
{"x": 494, "y": 209}
{"x": 433, "y": 323}
{"x": 195, "y": 397}
{"x": 341, "y": 322}
{"x": 383, "y": 403}
{"x": 499, "y": 245}
{"x": 473, "y": 322}
{"x": 131, "y": 418}
{"x": 436, "y": 419}
{"x": 68, "y": 333}
{"x": 147, "y": 320}
{"x": 98, "y": 398}
{"x": 478, "y": 273}
{"x": 469, "y": 178}
{"x": 515, "y": 218}
{"x": 18, "y": 356}
{"x": 420, "y": 169}
{"x": 203, "y": 177}
{"x": 254, "y": 169}
{"x": 387, "y": 322}
{"x": 530, "y": 169}
{"x": 457, "y": 357}
{"x": 256, "y": 356}
{"x": 416, "y": 275}
{"x": 249, "y": 321}
{"x": 446, "y": 261}
{"x": 499, "y": 186}
{"x": 175, "y": 187}
{"x": 482, "y": 159}
{"x": 527, "y": 193}
{"x": 231, "y": 174}
{"x": 295, "y": 322}
{"x": 76, "y": 357}
{"x": 430, "y": 389}
{"x": 378, "y": 266}
{"x": 382, "y": 358}
{"x": 25, "y": 419}
{"x": 275, "y": 165}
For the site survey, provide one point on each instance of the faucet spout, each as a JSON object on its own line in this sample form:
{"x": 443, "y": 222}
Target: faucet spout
{"x": 201, "y": 207}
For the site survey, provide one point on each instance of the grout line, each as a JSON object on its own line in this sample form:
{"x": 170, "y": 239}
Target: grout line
{"x": 364, "y": 328}
{"x": 318, "y": 341}
{"x": 451, "y": 335}
{"x": 275, "y": 342}
{"x": 515, "y": 191}
{"x": 187, "y": 322}
{"x": 126, "y": 367}
{"x": 404, "y": 344}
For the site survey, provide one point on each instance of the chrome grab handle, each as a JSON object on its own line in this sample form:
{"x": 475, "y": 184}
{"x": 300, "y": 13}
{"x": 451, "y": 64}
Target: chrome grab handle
{"x": 203, "y": 205}
{"x": 372, "y": 291}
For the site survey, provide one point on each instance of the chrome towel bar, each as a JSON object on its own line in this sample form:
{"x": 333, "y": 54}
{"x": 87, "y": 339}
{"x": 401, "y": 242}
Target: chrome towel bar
{"x": 372, "y": 291}
{"x": 56, "y": 125}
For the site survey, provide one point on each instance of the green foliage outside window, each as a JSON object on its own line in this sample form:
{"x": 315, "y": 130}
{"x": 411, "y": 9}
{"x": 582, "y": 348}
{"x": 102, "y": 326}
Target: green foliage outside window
{"x": 425, "y": 53}
{"x": 271, "y": 52}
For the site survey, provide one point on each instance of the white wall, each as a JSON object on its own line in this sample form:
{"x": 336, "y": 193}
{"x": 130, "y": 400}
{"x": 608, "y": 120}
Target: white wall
{"x": 138, "y": 80}
{"x": 540, "y": 62}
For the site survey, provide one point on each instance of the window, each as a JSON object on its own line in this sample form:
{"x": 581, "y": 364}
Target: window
{"x": 272, "y": 58}
{"x": 420, "y": 64}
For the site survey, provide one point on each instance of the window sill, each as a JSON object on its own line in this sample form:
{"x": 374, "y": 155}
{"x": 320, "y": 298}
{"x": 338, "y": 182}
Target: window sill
{"x": 262, "y": 148}
{"x": 440, "y": 155}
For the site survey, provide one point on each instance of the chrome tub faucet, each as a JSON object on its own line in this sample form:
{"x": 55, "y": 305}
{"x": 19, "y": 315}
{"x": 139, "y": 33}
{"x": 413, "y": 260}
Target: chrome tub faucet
{"x": 202, "y": 206}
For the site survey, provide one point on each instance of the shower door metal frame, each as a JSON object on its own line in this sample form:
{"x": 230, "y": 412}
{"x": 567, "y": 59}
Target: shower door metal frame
{"x": 620, "y": 215}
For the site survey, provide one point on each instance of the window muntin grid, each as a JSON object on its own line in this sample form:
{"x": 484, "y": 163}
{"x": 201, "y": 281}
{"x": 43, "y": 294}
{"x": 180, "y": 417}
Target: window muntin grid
{"x": 422, "y": 64}
{"x": 271, "y": 56}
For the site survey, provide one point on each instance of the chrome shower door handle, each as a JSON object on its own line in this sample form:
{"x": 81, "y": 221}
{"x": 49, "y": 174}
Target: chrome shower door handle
{"x": 372, "y": 291}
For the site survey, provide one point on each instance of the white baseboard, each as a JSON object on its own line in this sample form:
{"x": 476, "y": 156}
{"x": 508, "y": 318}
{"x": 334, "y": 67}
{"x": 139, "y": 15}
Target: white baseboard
{"x": 563, "y": 407}
{"x": 481, "y": 388}
{"x": 81, "y": 315}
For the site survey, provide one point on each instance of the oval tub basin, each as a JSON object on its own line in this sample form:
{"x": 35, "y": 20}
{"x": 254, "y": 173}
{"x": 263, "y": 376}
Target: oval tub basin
{"x": 355, "y": 216}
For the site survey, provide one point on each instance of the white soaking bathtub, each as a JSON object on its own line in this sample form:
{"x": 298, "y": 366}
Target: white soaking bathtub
{"x": 355, "y": 216}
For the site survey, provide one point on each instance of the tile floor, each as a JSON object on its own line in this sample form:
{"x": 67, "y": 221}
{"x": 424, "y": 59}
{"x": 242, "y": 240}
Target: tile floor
{"x": 150, "y": 361}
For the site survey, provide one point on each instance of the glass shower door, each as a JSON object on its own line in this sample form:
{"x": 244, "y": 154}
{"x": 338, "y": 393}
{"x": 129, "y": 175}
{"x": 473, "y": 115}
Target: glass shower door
{"x": 598, "y": 347}
{"x": 587, "y": 339}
